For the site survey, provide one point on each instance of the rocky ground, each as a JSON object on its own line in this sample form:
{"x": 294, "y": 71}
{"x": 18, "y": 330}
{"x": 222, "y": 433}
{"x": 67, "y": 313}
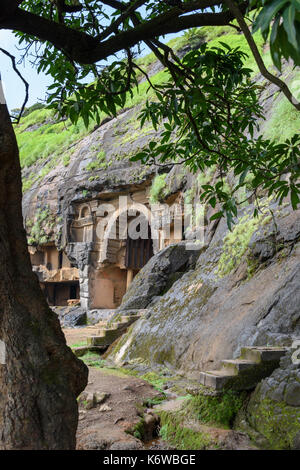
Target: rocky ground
{"x": 111, "y": 408}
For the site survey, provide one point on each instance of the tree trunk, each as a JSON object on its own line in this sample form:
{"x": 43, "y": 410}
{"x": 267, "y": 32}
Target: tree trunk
{"x": 41, "y": 378}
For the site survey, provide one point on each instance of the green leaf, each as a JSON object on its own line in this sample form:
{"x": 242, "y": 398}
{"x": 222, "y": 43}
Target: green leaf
{"x": 267, "y": 13}
{"x": 243, "y": 176}
{"x": 218, "y": 215}
{"x": 229, "y": 219}
{"x": 294, "y": 198}
{"x": 289, "y": 26}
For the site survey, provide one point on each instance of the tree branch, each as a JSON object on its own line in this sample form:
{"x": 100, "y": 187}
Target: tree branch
{"x": 8, "y": 8}
{"x": 113, "y": 28}
{"x": 86, "y": 49}
{"x": 26, "y": 84}
{"x": 258, "y": 59}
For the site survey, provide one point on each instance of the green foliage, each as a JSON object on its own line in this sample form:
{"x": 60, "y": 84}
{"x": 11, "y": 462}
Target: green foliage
{"x": 27, "y": 111}
{"x": 66, "y": 159}
{"x": 217, "y": 410}
{"x": 90, "y": 359}
{"x": 158, "y": 188}
{"x": 155, "y": 379}
{"x": 182, "y": 437}
{"x": 237, "y": 241}
{"x": 52, "y": 139}
{"x": 150, "y": 402}
{"x": 235, "y": 40}
{"x": 138, "y": 430}
{"x": 100, "y": 162}
{"x": 284, "y": 121}
{"x": 44, "y": 219}
{"x": 79, "y": 344}
{"x": 280, "y": 19}
{"x": 206, "y": 102}
{"x": 48, "y": 139}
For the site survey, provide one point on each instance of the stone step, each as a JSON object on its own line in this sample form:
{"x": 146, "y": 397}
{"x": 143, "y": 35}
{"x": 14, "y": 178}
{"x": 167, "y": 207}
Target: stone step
{"x": 82, "y": 350}
{"x": 105, "y": 336}
{"x": 235, "y": 366}
{"x": 216, "y": 379}
{"x": 101, "y": 333}
{"x": 129, "y": 318}
{"x": 263, "y": 353}
{"x": 244, "y": 373}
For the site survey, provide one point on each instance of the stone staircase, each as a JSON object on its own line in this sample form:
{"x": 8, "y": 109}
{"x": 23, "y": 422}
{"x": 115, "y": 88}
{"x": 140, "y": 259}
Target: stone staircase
{"x": 104, "y": 333}
{"x": 244, "y": 373}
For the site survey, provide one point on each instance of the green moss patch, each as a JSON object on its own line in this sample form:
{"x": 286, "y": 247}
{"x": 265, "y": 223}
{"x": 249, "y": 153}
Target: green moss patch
{"x": 277, "y": 422}
{"x": 217, "y": 410}
{"x": 174, "y": 431}
{"x": 158, "y": 188}
{"x": 237, "y": 241}
{"x": 39, "y": 229}
{"x": 285, "y": 120}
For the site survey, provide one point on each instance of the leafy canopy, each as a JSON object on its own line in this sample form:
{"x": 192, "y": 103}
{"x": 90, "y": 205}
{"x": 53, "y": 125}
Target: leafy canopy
{"x": 210, "y": 119}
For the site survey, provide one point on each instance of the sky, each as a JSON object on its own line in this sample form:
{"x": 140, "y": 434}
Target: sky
{"x": 13, "y": 86}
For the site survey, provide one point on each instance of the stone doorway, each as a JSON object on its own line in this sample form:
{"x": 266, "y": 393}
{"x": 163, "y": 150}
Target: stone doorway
{"x": 138, "y": 253}
{"x": 59, "y": 293}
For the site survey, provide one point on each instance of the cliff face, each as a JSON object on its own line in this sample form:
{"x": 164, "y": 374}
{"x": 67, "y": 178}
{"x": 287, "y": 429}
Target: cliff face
{"x": 63, "y": 164}
{"x": 98, "y": 163}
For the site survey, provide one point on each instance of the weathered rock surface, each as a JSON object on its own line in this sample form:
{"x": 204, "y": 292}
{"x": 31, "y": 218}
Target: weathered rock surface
{"x": 70, "y": 317}
{"x": 163, "y": 269}
{"x": 274, "y": 407}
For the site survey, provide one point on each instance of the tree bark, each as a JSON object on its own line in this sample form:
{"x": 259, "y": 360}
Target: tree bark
{"x": 41, "y": 377}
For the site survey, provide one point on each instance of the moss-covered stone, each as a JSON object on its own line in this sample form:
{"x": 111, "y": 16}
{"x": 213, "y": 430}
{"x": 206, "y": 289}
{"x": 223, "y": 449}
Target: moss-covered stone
{"x": 277, "y": 422}
{"x": 219, "y": 410}
{"x": 41, "y": 229}
{"x": 237, "y": 241}
{"x": 174, "y": 430}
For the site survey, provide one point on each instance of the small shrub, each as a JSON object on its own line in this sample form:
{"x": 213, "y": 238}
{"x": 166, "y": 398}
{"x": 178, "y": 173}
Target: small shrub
{"x": 158, "y": 188}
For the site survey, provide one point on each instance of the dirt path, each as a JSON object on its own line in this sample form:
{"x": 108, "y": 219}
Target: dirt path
{"x": 107, "y": 429}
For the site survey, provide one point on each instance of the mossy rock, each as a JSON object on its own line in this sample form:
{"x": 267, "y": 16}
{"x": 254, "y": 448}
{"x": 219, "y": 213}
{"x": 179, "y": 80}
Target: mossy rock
{"x": 276, "y": 421}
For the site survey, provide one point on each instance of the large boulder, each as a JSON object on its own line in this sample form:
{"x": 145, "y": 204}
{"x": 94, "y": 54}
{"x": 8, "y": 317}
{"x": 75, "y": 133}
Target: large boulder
{"x": 158, "y": 275}
{"x": 70, "y": 317}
